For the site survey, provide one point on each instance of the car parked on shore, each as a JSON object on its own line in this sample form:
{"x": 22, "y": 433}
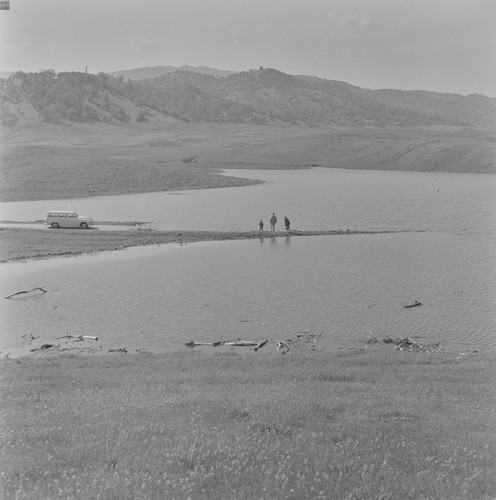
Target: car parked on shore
{"x": 68, "y": 218}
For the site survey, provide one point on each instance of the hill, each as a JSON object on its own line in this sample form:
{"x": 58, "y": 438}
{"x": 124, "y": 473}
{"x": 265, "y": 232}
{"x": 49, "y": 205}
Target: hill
{"x": 156, "y": 71}
{"x": 263, "y": 96}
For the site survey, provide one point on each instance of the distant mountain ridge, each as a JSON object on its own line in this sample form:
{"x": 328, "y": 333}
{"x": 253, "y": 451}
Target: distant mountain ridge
{"x": 156, "y": 71}
{"x": 264, "y": 96}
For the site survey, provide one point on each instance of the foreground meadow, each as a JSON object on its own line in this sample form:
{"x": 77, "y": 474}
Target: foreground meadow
{"x": 376, "y": 423}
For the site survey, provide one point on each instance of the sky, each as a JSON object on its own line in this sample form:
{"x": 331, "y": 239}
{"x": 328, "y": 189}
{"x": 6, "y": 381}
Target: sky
{"x": 437, "y": 45}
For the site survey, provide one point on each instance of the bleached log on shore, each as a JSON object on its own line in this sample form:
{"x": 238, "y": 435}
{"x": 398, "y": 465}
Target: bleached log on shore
{"x": 192, "y": 343}
{"x": 242, "y": 343}
{"x": 230, "y": 343}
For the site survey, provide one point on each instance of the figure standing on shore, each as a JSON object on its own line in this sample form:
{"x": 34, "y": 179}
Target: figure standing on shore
{"x": 273, "y": 222}
{"x": 260, "y": 225}
{"x": 287, "y": 223}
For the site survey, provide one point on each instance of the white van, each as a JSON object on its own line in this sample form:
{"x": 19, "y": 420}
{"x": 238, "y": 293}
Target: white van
{"x": 67, "y": 218}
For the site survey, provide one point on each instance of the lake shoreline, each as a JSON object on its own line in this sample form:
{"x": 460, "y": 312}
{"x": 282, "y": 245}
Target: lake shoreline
{"x": 19, "y": 244}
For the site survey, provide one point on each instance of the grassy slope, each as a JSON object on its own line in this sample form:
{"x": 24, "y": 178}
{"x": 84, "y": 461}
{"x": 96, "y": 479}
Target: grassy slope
{"x": 239, "y": 424}
{"x": 55, "y": 161}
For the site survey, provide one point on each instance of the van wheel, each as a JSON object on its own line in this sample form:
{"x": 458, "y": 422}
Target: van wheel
{"x": 55, "y": 225}
{"x": 84, "y": 225}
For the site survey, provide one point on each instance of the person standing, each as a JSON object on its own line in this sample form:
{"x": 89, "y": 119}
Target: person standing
{"x": 287, "y": 224}
{"x": 260, "y": 226}
{"x": 273, "y": 222}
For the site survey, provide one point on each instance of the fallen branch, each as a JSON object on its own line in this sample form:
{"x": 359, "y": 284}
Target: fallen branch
{"x": 415, "y": 304}
{"x": 45, "y": 347}
{"x": 119, "y": 349}
{"x": 27, "y": 291}
{"x": 261, "y": 344}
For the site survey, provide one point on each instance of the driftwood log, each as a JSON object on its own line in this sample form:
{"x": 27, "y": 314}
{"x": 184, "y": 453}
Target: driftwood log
{"x": 241, "y": 343}
{"x": 192, "y": 343}
{"x": 40, "y": 288}
{"x": 261, "y": 344}
{"x": 44, "y": 347}
{"x": 415, "y": 304}
{"x": 230, "y": 343}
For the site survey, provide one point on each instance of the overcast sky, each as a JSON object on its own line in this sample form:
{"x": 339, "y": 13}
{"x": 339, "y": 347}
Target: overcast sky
{"x": 440, "y": 45}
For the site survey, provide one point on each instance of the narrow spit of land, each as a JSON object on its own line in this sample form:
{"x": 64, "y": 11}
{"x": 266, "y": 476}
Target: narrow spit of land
{"x": 22, "y": 244}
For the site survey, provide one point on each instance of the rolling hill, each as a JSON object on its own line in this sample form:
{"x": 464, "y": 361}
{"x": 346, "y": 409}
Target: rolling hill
{"x": 156, "y": 71}
{"x": 263, "y": 96}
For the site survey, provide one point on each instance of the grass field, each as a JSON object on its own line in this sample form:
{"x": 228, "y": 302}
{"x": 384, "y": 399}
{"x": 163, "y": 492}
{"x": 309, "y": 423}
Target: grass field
{"x": 379, "y": 424}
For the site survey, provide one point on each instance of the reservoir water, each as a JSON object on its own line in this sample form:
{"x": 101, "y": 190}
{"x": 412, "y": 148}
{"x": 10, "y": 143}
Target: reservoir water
{"x": 317, "y": 198}
{"x": 345, "y": 287}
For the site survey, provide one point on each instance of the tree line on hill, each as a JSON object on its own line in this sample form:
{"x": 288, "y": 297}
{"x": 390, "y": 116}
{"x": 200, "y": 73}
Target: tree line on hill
{"x": 263, "y": 96}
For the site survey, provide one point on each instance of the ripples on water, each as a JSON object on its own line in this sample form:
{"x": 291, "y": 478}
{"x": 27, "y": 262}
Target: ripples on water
{"x": 345, "y": 287}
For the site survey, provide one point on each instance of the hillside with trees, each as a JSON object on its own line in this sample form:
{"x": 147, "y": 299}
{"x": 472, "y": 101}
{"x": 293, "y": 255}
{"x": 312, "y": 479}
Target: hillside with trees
{"x": 75, "y": 97}
{"x": 263, "y": 96}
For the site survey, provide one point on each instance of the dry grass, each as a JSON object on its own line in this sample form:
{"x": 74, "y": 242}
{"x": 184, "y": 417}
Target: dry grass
{"x": 74, "y": 161}
{"x": 380, "y": 424}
